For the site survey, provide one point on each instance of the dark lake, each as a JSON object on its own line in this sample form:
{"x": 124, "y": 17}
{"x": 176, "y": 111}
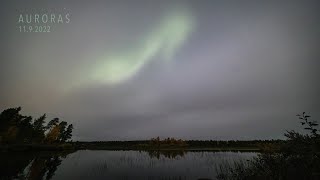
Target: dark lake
{"x": 117, "y": 165}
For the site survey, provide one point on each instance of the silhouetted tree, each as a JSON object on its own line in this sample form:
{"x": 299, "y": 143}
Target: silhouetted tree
{"x": 39, "y": 129}
{"x": 52, "y": 123}
{"x": 25, "y": 130}
{"x": 62, "y": 126}
{"x": 68, "y": 133}
{"x": 9, "y": 119}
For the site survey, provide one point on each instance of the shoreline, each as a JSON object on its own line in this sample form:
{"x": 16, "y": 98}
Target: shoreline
{"x": 64, "y": 147}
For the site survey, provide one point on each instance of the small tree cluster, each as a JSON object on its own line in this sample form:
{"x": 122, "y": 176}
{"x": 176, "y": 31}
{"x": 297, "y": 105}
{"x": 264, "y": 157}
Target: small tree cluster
{"x": 58, "y": 131}
{"x": 171, "y": 141}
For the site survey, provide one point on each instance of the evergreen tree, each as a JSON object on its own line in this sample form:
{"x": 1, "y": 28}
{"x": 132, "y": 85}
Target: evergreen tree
{"x": 68, "y": 133}
{"x": 62, "y": 126}
{"x": 52, "y": 123}
{"x": 39, "y": 128}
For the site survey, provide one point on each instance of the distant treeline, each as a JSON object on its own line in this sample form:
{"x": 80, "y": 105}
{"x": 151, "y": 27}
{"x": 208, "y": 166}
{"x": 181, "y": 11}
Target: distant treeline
{"x": 231, "y": 143}
{"x": 156, "y": 143}
{"x": 16, "y": 128}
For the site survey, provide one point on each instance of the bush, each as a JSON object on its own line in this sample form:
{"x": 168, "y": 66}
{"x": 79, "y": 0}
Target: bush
{"x": 297, "y": 158}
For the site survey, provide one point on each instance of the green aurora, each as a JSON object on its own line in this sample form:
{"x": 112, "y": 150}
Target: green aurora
{"x": 162, "y": 42}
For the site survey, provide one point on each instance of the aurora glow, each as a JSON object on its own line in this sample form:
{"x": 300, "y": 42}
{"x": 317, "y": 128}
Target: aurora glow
{"x": 164, "y": 41}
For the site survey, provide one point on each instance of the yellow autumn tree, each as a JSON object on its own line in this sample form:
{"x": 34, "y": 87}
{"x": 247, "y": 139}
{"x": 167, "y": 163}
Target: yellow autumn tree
{"x": 53, "y": 134}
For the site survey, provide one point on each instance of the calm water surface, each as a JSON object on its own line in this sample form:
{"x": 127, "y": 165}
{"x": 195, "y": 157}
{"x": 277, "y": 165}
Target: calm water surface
{"x": 117, "y": 165}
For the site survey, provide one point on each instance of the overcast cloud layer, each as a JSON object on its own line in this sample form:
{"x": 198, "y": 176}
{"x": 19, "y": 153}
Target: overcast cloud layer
{"x": 126, "y": 70}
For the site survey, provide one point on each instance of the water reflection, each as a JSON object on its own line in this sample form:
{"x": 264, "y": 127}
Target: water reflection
{"x": 168, "y": 154}
{"x": 116, "y": 165}
{"x": 31, "y": 166}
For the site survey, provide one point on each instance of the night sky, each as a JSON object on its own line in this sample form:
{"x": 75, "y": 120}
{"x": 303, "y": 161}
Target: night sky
{"x": 136, "y": 69}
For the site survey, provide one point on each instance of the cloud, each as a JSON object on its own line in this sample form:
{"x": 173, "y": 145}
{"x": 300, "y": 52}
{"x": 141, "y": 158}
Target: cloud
{"x": 232, "y": 72}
